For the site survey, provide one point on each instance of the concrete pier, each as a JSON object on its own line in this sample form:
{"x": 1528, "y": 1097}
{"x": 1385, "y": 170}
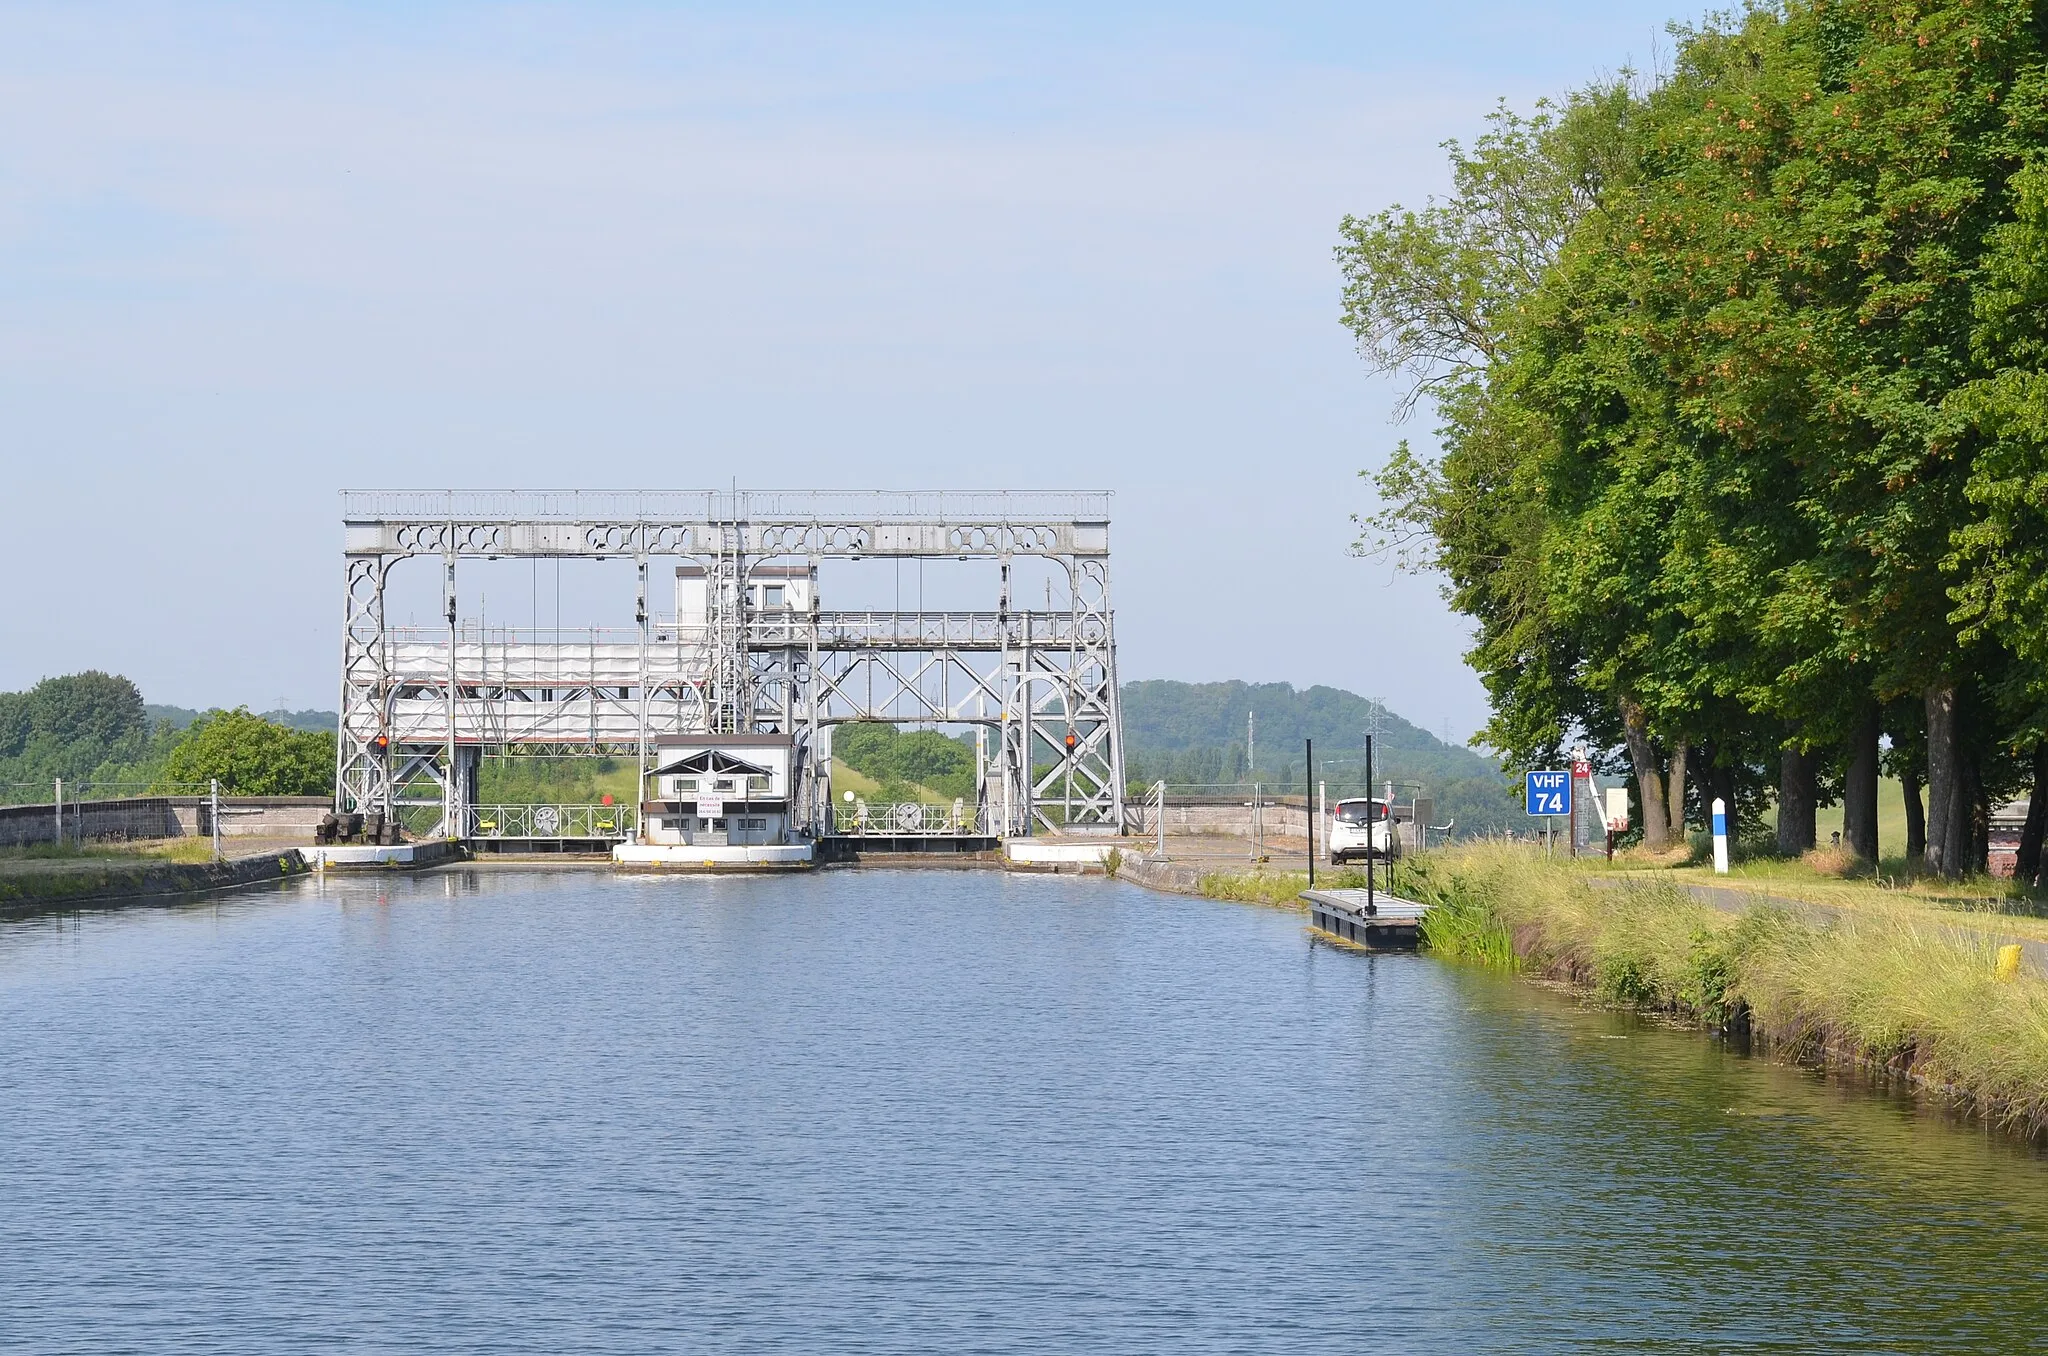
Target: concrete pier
{"x": 375, "y": 856}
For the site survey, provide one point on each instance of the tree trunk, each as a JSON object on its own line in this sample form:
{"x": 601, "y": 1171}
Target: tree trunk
{"x": 1649, "y": 778}
{"x": 1948, "y": 785}
{"x": 1859, "y": 787}
{"x": 1797, "y": 793}
{"x": 2026, "y": 866}
{"x": 1916, "y": 816}
{"x": 1979, "y": 860}
{"x": 1674, "y": 791}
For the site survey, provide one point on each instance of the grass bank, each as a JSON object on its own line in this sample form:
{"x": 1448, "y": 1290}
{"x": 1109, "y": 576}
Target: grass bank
{"x": 1897, "y": 988}
{"x": 48, "y": 875}
{"x": 44, "y": 857}
{"x": 1281, "y": 889}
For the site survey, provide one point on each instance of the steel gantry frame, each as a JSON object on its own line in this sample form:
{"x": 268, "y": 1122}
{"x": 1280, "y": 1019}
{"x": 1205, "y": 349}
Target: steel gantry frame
{"x": 421, "y": 706}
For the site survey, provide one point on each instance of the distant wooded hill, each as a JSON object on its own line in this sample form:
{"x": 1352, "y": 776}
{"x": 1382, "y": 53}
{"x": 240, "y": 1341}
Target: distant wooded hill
{"x": 1194, "y": 733}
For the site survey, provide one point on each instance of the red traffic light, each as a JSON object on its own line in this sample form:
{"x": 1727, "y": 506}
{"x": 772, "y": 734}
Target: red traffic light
{"x": 1071, "y": 741}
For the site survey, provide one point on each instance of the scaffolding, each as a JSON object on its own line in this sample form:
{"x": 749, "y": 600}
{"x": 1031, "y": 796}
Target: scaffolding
{"x": 421, "y": 706}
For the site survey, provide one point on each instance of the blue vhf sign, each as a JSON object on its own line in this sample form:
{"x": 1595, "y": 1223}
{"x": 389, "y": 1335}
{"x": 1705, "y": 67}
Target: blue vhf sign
{"x": 1547, "y": 793}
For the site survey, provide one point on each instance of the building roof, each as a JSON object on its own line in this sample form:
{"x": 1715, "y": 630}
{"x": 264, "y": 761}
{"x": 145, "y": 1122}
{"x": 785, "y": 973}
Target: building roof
{"x": 722, "y": 741}
{"x": 712, "y": 760}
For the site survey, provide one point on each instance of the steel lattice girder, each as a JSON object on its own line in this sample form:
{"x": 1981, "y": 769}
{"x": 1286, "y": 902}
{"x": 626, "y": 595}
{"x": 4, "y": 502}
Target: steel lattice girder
{"x": 410, "y": 694}
{"x": 510, "y": 690}
{"x": 818, "y": 525}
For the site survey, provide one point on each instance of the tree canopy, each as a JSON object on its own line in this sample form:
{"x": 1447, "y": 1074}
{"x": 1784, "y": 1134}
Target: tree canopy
{"x": 93, "y": 730}
{"x": 250, "y": 756}
{"x": 80, "y": 726}
{"x": 1744, "y": 440}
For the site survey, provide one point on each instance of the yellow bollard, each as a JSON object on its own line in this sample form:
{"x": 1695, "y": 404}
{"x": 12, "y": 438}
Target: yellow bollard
{"x": 2009, "y": 962}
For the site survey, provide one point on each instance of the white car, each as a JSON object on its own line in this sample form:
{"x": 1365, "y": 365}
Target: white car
{"x": 1362, "y": 828}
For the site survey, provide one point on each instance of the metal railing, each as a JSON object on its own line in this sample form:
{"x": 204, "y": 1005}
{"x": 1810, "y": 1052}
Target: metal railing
{"x": 907, "y": 819}
{"x": 723, "y": 506}
{"x": 617, "y": 822}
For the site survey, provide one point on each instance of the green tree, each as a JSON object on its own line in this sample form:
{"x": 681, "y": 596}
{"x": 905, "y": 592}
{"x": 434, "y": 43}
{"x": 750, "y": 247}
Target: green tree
{"x": 896, "y": 757}
{"x": 1704, "y": 482}
{"x": 250, "y": 756}
{"x": 84, "y": 727}
{"x": 1818, "y": 190}
{"x": 1451, "y": 297}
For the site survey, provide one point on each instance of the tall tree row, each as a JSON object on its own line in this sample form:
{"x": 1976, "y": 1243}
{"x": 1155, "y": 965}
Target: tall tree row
{"x": 1743, "y": 421}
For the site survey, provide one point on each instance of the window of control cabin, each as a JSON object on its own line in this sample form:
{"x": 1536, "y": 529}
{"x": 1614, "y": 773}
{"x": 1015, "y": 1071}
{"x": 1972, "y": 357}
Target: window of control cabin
{"x": 771, "y": 595}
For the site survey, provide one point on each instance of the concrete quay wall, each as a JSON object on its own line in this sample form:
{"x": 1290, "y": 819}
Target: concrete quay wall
{"x": 66, "y": 885}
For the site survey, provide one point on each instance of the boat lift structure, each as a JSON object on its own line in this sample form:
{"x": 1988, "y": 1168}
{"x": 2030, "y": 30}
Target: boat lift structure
{"x": 421, "y": 706}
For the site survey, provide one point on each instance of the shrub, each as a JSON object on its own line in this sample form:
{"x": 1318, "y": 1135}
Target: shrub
{"x": 250, "y": 756}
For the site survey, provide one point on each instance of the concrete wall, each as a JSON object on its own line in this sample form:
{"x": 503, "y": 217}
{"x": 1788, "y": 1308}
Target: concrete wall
{"x": 1216, "y": 817}
{"x": 163, "y": 817}
{"x": 264, "y": 816}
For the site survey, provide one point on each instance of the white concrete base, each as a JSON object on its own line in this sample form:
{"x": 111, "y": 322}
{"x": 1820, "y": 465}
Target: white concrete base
{"x": 1039, "y": 852}
{"x": 373, "y": 854}
{"x": 683, "y": 857}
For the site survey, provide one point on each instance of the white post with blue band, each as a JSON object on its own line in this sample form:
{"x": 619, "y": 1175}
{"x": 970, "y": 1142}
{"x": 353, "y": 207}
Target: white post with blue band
{"x": 1720, "y": 837}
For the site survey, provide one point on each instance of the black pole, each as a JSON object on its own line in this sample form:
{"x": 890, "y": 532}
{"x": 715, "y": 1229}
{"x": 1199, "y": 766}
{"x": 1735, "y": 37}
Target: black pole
{"x": 1308, "y": 780}
{"x": 1371, "y": 821}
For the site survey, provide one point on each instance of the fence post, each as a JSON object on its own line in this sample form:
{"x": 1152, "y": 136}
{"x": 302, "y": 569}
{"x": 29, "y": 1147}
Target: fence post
{"x": 213, "y": 813}
{"x": 1159, "y": 817}
{"x": 1308, "y": 802}
{"x": 60, "y": 812}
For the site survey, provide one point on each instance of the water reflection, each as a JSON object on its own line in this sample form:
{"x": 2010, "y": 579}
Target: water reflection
{"x": 882, "y": 1111}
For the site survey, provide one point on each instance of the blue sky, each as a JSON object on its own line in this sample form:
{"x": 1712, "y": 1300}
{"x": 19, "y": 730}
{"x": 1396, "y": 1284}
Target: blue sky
{"x": 250, "y": 255}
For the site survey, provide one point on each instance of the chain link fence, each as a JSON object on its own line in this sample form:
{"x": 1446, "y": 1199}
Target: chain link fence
{"x": 111, "y": 812}
{"x": 34, "y": 813}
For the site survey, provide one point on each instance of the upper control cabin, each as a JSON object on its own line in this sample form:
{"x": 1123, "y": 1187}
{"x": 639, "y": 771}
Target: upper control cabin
{"x": 772, "y": 590}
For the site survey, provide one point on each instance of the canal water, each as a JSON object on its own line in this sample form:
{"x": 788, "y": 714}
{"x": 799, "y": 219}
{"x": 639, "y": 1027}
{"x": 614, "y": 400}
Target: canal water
{"x": 874, "y": 1111}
